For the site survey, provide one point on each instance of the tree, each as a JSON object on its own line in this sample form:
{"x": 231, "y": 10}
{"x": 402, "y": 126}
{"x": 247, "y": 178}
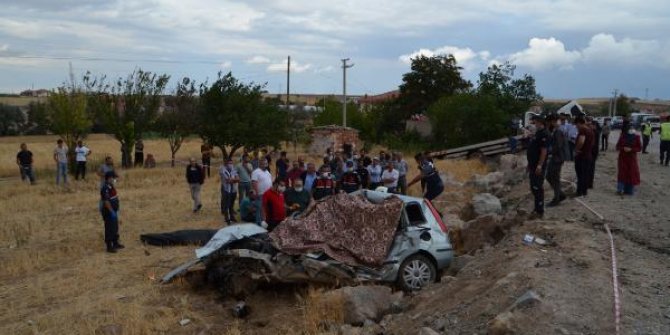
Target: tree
{"x": 128, "y": 108}
{"x": 234, "y": 115}
{"x": 178, "y": 119}
{"x": 38, "y": 120}
{"x": 623, "y": 105}
{"x": 431, "y": 78}
{"x": 466, "y": 118}
{"x": 514, "y": 96}
{"x": 331, "y": 114}
{"x": 11, "y": 120}
{"x": 67, "y": 116}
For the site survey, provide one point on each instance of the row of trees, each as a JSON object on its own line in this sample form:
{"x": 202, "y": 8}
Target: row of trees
{"x": 226, "y": 114}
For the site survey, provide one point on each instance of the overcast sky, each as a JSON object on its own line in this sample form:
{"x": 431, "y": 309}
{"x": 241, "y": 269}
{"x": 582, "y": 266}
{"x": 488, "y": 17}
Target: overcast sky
{"x": 573, "y": 48}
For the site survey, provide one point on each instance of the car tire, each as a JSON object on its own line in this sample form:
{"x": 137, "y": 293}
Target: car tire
{"x": 416, "y": 272}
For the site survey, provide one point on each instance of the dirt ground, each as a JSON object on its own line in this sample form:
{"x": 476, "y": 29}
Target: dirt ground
{"x": 56, "y": 279}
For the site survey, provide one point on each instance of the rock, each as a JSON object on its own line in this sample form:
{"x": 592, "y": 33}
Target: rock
{"x": 360, "y": 303}
{"x": 428, "y": 331}
{"x": 111, "y": 329}
{"x": 528, "y": 299}
{"x": 486, "y": 203}
{"x": 501, "y": 324}
{"x": 184, "y": 322}
{"x": 440, "y": 324}
{"x": 449, "y": 181}
{"x": 489, "y": 183}
{"x": 481, "y": 231}
{"x": 513, "y": 167}
{"x": 372, "y": 329}
{"x": 458, "y": 263}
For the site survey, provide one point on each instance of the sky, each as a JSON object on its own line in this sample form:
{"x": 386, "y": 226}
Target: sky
{"x": 573, "y": 48}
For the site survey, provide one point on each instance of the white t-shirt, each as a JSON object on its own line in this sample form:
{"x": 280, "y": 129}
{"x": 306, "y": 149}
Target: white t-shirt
{"x": 263, "y": 179}
{"x": 391, "y": 174}
{"x": 81, "y": 153}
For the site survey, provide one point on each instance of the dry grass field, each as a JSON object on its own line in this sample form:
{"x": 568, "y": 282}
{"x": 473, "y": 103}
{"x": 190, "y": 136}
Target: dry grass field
{"x": 55, "y": 277}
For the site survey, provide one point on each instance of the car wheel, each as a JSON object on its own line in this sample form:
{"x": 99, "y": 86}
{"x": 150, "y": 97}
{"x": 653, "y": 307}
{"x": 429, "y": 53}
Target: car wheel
{"x": 416, "y": 272}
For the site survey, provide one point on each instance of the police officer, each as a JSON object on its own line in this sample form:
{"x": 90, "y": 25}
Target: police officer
{"x": 324, "y": 185}
{"x": 428, "y": 177}
{"x": 537, "y": 159}
{"x": 646, "y": 136}
{"x": 665, "y": 142}
{"x": 109, "y": 211}
{"x": 350, "y": 181}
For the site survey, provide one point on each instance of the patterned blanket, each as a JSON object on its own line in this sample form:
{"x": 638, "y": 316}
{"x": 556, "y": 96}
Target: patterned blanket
{"x": 348, "y": 228}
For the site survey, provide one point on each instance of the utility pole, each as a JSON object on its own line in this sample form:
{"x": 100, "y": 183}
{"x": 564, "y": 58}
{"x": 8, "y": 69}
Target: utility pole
{"x": 345, "y": 66}
{"x": 614, "y": 101}
{"x": 288, "y": 81}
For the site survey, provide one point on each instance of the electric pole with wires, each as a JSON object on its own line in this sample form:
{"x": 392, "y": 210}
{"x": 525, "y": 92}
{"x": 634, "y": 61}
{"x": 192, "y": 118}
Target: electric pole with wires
{"x": 345, "y": 66}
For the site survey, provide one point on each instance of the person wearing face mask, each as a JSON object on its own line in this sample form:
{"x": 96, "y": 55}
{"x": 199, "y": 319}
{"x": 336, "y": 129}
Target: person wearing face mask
{"x": 195, "y": 177}
{"x": 583, "y": 155}
{"x": 109, "y": 211}
{"x": 375, "y": 172}
{"x": 324, "y": 185}
{"x": 229, "y": 181}
{"x": 274, "y": 208}
{"x": 297, "y": 198}
{"x": 309, "y": 177}
{"x": 261, "y": 181}
{"x": 390, "y": 177}
{"x": 350, "y": 181}
{"x": 628, "y": 175}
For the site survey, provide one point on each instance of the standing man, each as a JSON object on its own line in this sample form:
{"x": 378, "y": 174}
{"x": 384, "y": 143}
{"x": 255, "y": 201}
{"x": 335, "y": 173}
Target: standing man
{"x": 109, "y": 211}
{"x": 60, "y": 157}
{"x": 297, "y": 198}
{"x": 244, "y": 170}
{"x": 309, "y": 177}
{"x": 105, "y": 167}
{"x": 375, "y": 172}
{"x": 537, "y": 157}
{"x": 324, "y": 185}
{"x": 432, "y": 185}
{"x": 350, "y": 181}
{"x": 583, "y": 155}
{"x": 274, "y": 208}
{"x": 596, "y": 129}
{"x": 229, "y": 183}
{"x": 206, "y": 153}
{"x": 81, "y": 152}
{"x": 261, "y": 181}
{"x": 282, "y": 167}
{"x": 195, "y": 177}
{"x": 139, "y": 153}
{"x": 646, "y": 135}
{"x": 665, "y": 142}
{"x": 557, "y": 155}
{"x": 605, "y": 135}
{"x": 363, "y": 174}
{"x": 390, "y": 177}
{"x": 24, "y": 159}
{"x": 401, "y": 165}
{"x": 294, "y": 173}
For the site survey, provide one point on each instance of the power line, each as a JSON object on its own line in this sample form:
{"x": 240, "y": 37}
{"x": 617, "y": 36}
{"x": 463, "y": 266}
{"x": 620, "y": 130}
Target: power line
{"x": 107, "y": 59}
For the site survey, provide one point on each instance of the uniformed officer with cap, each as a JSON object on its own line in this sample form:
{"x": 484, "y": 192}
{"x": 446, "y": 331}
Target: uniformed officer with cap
{"x": 109, "y": 211}
{"x": 537, "y": 162}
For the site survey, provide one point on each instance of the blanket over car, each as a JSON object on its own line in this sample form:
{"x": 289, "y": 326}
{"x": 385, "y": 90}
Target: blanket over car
{"x": 348, "y": 228}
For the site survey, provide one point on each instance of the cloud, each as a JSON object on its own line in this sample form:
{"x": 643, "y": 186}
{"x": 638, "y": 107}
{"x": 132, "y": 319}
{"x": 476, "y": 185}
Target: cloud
{"x": 324, "y": 69}
{"x": 296, "y": 67}
{"x": 465, "y": 57}
{"x": 605, "y": 48}
{"x": 258, "y": 60}
{"x": 226, "y": 64}
{"x": 543, "y": 54}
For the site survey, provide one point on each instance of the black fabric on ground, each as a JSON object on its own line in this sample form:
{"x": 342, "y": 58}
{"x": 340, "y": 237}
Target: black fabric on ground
{"x": 180, "y": 237}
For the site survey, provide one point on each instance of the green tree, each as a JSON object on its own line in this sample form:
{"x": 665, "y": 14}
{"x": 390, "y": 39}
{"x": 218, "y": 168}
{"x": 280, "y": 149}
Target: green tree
{"x": 67, "y": 116}
{"x": 127, "y": 108}
{"x": 331, "y": 114}
{"x": 430, "y": 79}
{"x": 178, "y": 118}
{"x": 11, "y": 120}
{"x": 466, "y": 118}
{"x": 623, "y": 105}
{"x": 513, "y": 96}
{"x": 38, "y": 120}
{"x": 235, "y": 115}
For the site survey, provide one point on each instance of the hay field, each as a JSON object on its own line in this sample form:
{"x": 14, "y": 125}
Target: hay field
{"x": 55, "y": 277}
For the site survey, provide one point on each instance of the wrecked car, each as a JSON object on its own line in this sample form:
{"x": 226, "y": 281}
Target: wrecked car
{"x": 345, "y": 239}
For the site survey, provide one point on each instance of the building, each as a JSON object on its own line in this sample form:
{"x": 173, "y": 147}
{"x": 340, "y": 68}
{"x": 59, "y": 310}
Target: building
{"x": 336, "y": 137}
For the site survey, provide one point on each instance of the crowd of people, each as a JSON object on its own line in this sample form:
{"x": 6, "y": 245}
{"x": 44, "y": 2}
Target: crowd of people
{"x": 555, "y": 139}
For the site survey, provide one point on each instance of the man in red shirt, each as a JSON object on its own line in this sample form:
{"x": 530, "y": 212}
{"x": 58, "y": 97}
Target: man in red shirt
{"x": 274, "y": 210}
{"x": 583, "y": 155}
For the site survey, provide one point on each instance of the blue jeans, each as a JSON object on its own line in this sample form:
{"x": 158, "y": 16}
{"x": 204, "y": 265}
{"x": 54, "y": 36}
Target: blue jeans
{"x": 259, "y": 203}
{"x": 243, "y": 190}
{"x": 27, "y": 173}
{"x": 61, "y": 170}
{"x": 625, "y": 188}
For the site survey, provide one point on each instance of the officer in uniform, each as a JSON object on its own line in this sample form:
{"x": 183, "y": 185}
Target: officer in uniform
{"x": 429, "y": 177}
{"x": 646, "y": 136}
{"x": 350, "y": 181}
{"x": 665, "y": 142}
{"x": 109, "y": 211}
{"x": 537, "y": 159}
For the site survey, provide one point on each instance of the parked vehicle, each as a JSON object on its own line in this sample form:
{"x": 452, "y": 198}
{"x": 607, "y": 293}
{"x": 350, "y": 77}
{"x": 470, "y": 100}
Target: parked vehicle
{"x": 655, "y": 122}
{"x": 637, "y": 119}
{"x": 245, "y": 253}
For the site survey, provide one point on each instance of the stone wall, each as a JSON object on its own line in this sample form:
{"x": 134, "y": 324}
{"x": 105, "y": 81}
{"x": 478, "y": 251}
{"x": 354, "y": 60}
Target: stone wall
{"x": 333, "y": 136}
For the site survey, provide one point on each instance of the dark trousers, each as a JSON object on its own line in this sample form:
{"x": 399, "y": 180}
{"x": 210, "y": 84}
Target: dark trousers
{"x": 228, "y": 204}
{"x": 80, "y": 169}
{"x": 604, "y": 139}
{"x": 645, "y": 143}
{"x": 665, "y": 152}
{"x": 402, "y": 184}
{"x": 206, "y": 162}
{"x": 139, "y": 159}
{"x": 111, "y": 229}
{"x": 554, "y": 179}
{"x": 537, "y": 188}
{"x": 592, "y": 172}
{"x": 571, "y": 145}
{"x": 433, "y": 190}
{"x": 27, "y": 173}
{"x": 582, "y": 169}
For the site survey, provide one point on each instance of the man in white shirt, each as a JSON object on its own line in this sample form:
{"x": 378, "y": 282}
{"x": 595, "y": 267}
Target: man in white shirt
{"x": 375, "y": 172}
{"x": 229, "y": 181}
{"x": 81, "y": 152}
{"x": 261, "y": 181}
{"x": 60, "y": 157}
{"x": 390, "y": 177}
